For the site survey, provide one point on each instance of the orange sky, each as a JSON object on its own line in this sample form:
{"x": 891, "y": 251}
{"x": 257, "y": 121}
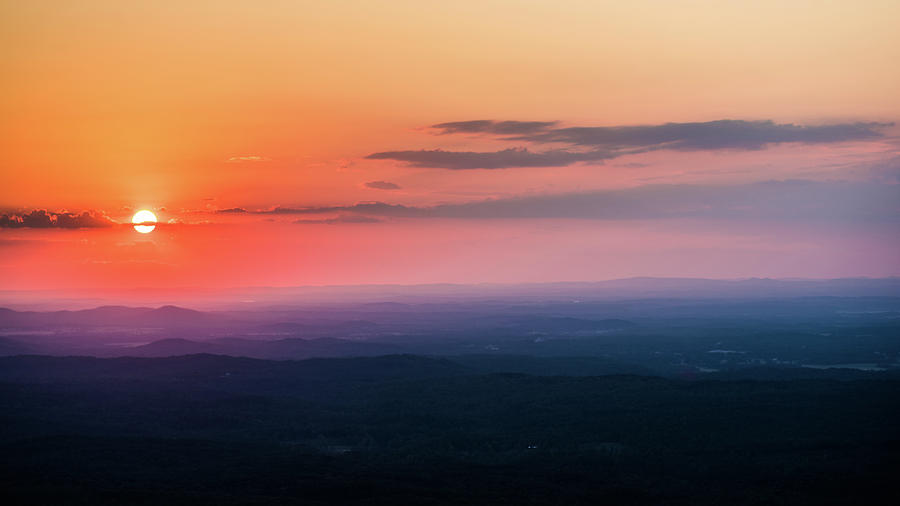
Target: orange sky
{"x": 188, "y": 107}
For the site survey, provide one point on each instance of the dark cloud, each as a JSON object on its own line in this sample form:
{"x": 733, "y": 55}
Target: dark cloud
{"x": 38, "y": 219}
{"x": 592, "y": 144}
{"x": 83, "y": 220}
{"x": 507, "y": 158}
{"x": 232, "y": 210}
{"x": 493, "y": 127}
{"x": 41, "y": 218}
{"x": 774, "y": 200}
{"x": 382, "y": 185}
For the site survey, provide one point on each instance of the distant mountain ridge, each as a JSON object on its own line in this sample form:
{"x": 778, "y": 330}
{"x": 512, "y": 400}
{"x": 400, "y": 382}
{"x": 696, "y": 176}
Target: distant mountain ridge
{"x": 404, "y": 297}
{"x": 108, "y": 316}
{"x": 393, "y": 297}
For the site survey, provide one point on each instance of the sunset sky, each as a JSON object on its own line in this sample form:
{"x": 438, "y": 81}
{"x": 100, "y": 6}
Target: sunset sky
{"x": 335, "y": 142}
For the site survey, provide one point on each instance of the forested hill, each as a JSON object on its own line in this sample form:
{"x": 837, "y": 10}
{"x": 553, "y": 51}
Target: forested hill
{"x": 407, "y": 429}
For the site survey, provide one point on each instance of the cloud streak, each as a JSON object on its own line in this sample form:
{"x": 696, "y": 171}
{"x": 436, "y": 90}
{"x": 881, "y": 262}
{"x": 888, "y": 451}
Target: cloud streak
{"x": 796, "y": 200}
{"x": 382, "y": 185}
{"x": 710, "y": 135}
{"x": 248, "y": 159}
{"x": 594, "y": 144}
{"x": 493, "y": 127}
{"x": 504, "y": 159}
{"x": 342, "y": 219}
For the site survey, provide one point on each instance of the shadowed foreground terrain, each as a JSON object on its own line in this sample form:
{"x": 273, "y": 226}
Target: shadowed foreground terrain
{"x": 412, "y": 429}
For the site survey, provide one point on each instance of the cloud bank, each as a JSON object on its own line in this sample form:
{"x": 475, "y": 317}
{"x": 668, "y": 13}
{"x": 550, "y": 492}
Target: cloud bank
{"x": 41, "y": 218}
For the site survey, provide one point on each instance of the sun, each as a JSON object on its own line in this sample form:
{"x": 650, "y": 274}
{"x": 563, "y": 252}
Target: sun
{"x": 144, "y": 221}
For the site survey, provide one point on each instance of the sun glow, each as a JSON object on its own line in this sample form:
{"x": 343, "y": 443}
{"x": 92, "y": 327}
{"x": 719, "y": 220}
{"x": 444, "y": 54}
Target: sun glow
{"x": 144, "y": 221}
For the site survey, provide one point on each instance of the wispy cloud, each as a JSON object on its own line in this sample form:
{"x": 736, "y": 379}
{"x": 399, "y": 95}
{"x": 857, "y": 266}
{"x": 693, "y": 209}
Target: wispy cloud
{"x": 248, "y": 159}
{"x": 710, "y": 135}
